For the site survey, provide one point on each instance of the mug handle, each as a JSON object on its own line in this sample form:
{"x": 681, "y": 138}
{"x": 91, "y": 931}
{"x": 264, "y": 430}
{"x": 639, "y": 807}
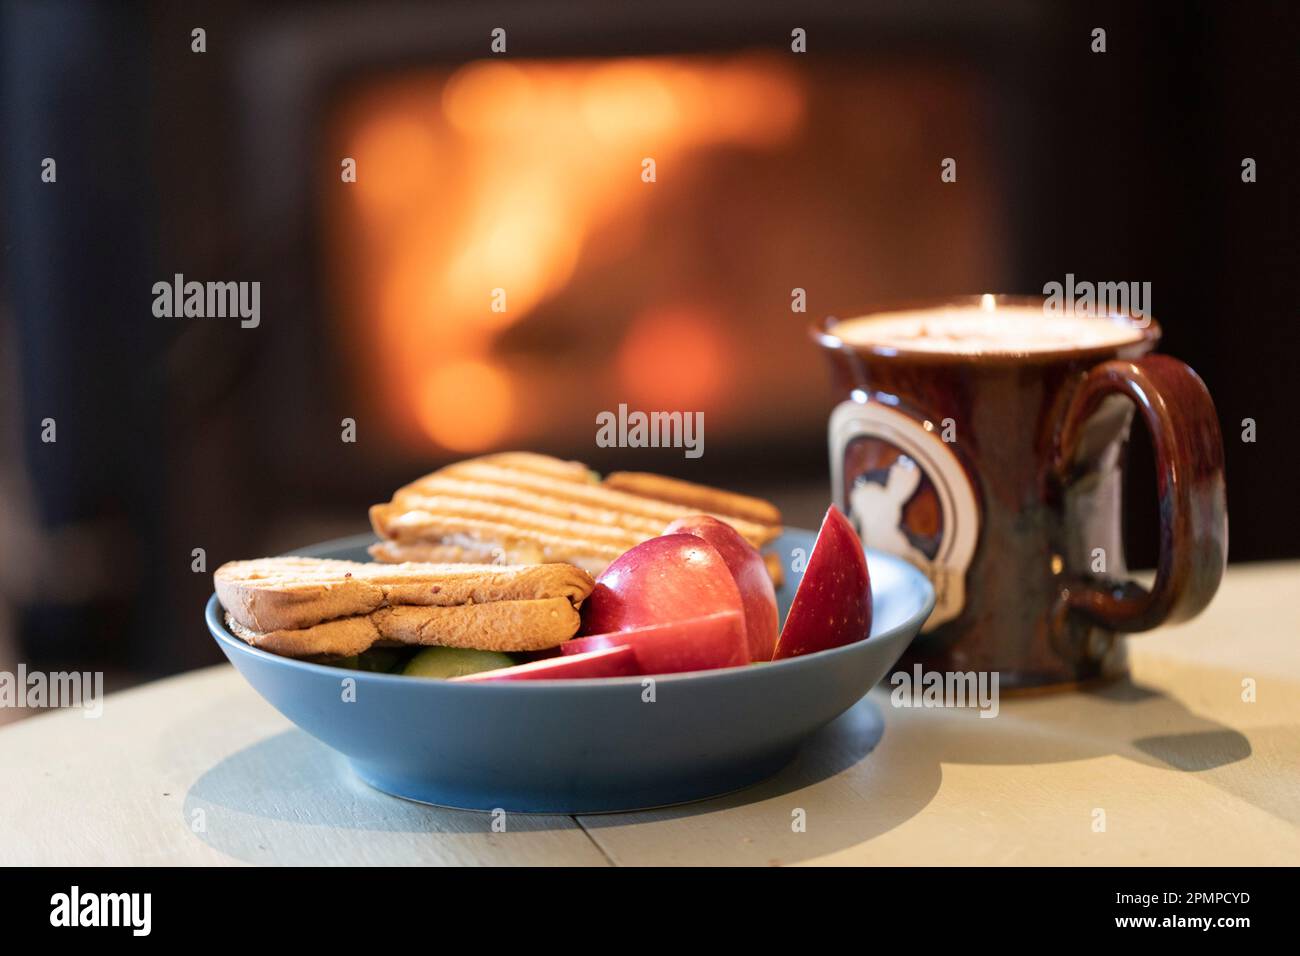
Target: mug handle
{"x": 1184, "y": 428}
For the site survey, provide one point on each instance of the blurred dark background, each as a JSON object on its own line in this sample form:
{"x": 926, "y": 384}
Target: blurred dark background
{"x": 775, "y": 170}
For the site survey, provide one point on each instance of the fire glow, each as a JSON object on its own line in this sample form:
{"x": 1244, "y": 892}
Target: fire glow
{"x": 479, "y": 196}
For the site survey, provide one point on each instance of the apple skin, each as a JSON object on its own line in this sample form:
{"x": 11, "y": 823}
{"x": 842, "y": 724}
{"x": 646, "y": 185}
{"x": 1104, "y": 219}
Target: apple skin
{"x": 747, "y": 567}
{"x": 832, "y": 606}
{"x": 695, "y": 644}
{"x": 669, "y": 578}
{"x": 604, "y": 662}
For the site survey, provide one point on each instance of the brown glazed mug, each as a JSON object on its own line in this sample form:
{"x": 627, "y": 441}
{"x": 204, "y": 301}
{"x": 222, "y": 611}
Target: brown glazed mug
{"x": 998, "y": 472}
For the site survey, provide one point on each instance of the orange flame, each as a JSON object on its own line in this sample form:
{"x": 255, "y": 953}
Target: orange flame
{"x": 475, "y": 200}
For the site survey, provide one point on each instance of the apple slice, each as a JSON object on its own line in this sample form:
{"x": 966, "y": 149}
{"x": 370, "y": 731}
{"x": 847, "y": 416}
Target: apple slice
{"x": 670, "y": 578}
{"x": 694, "y": 644}
{"x": 832, "y": 606}
{"x": 750, "y": 573}
{"x": 605, "y": 662}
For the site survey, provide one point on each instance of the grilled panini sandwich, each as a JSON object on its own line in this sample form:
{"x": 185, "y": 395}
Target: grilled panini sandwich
{"x": 310, "y": 607}
{"x": 519, "y": 507}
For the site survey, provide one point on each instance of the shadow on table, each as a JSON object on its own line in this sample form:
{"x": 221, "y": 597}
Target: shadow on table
{"x": 262, "y": 794}
{"x": 1112, "y": 719}
{"x": 873, "y": 796}
{"x": 290, "y": 800}
{"x": 1122, "y": 718}
{"x": 851, "y": 782}
{"x": 803, "y": 812}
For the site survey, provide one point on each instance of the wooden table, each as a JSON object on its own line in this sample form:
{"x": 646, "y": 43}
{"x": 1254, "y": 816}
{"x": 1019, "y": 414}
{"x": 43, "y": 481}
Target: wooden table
{"x": 197, "y": 769}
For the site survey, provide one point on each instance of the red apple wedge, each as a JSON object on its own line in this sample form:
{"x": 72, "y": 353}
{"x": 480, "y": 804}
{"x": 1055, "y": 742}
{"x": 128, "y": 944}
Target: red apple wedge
{"x": 695, "y": 644}
{"x": 669, "y": 578}
{"x": 832, "y": 606}
{"x": 604, "y": 662}
{"x": 750, "y": 574}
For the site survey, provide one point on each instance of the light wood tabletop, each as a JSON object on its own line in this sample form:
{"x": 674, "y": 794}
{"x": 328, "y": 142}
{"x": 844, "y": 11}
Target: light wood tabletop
{"x": 1194, "y": 760}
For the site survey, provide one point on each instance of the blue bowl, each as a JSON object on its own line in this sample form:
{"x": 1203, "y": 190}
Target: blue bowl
{"x": 585, "y": 746}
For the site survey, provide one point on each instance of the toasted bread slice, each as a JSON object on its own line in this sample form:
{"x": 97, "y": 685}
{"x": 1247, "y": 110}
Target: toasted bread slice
{"x": 498, "y": 542}
{"x": 524, "y": 508}
{"x": 501, "y": 626}
{"x": 513, "y": 542}
{"x": 341, "y": 637}
{"x": 438, "y": 486}
{"x": 574, "y": 471}
{"x": 723, "y": 504}
{"x": 526, "y": 625}
{"x": 390, "y": 552}
{"x": 422, "y": 513}
{"x": 618, "y": 505}
{"x": 287, "y": 593}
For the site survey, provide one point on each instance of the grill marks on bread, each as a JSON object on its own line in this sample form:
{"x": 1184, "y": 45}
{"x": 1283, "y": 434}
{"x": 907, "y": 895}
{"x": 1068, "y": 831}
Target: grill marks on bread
{"x": 522, "y": 507}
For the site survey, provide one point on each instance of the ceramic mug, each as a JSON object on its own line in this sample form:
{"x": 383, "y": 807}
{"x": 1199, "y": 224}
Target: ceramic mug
{"x": 993, "y": 461}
